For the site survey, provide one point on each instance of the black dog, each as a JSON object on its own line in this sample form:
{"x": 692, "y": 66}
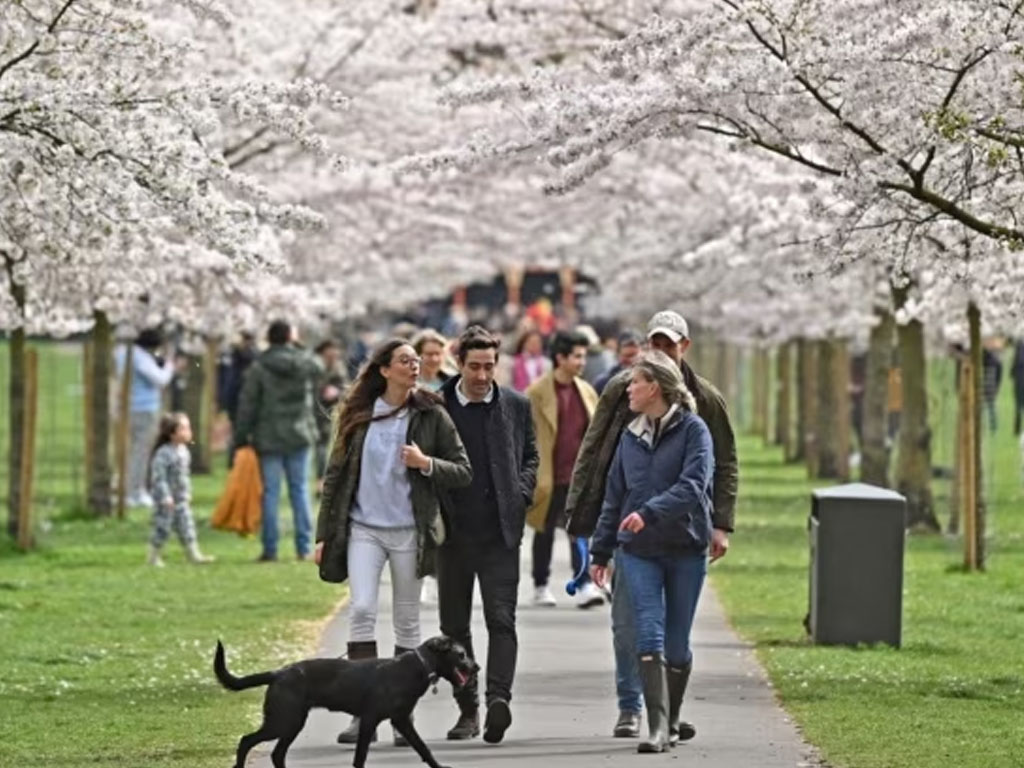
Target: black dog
{"x": 372, "y": 689}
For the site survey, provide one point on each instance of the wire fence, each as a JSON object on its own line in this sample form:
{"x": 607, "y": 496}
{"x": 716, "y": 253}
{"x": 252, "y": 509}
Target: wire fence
{"x": 60, "y": 432}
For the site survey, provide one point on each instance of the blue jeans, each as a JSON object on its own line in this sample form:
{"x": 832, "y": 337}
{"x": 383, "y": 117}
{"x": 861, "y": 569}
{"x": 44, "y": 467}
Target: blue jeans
{"x": 295, "y": 467}
{"x": 664, "y": 593}
{"x": 628, "y": 685}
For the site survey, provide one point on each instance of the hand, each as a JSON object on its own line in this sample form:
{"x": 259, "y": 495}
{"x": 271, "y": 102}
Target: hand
{"x": 719, "y": 544}
{"x": 413, "y": 457}
{"x": 599, "y": 575}
{"x": 318, "y": 552}
{"x": 633, "y": 523}
{"x": 330, "y": 393}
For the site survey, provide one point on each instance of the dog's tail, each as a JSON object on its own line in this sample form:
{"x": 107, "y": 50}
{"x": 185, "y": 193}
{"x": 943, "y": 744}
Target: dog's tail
{"x": 233, "y": 683}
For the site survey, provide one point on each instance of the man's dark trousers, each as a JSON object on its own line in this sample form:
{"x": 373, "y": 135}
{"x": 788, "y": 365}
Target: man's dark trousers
{"x": 497, "y": 567}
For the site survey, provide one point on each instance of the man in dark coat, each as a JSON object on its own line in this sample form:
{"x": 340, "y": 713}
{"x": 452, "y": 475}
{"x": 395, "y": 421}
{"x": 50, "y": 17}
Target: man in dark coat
{"x": 485, "y": 522}
{"x": 275, "y": 416}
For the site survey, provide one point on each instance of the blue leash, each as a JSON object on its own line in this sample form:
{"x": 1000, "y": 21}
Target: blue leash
{"x": 583, "y": 550}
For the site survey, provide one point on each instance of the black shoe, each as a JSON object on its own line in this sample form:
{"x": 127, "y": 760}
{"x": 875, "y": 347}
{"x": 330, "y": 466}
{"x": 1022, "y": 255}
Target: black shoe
{"x": 265, "y": 558}
{"x": 627, "y": 726}
{"x": 684, "y": 731}
{"x": 351, "y": 734}
{"x": 467, "y": 727}
{"x": 499, "y": 718}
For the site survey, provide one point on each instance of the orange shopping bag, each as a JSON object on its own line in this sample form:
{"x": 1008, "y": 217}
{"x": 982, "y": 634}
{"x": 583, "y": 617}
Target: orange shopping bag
{"x": 239, "y": 506}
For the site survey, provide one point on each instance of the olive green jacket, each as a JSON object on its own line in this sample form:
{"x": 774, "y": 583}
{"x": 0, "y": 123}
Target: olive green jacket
{"x": 431, "y": 428}
{"x": 275, "y": 407}
{"x": 583, "y": 505}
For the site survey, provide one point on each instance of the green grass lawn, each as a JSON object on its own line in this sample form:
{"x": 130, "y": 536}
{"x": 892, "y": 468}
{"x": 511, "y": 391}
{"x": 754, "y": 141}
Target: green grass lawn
{"x": 954, "y": 694}
{"x": 107, "y": 661}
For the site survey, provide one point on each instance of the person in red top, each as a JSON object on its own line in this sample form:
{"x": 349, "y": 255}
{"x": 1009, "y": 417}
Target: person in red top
{"x": 561, "y": 403}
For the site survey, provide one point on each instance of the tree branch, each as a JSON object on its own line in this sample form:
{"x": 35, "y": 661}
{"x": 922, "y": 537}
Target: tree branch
{"x": 264, "y": 150}
{"x": 951, "y": 209}
{"x": 604, "y": 26}
{"x": 779, "y": 149}
{"x": 240, "y": 145}
{"x": 31, "y": 49}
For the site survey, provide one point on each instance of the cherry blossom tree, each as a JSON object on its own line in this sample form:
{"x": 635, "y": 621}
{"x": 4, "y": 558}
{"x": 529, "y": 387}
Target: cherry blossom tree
{"x": 112, "y": 160}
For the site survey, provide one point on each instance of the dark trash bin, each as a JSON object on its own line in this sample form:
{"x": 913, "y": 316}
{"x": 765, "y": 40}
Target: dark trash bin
{"x": 856, "y": 535}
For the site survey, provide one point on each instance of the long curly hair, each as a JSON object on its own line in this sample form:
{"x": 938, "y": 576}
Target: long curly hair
{"x": 357, "y": 408}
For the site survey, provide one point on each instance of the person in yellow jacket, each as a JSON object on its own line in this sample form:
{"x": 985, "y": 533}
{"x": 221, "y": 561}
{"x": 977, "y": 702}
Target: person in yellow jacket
{"x": 562, "y": 404}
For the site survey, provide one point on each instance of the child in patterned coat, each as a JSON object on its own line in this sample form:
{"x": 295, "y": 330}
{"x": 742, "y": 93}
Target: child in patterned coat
{"x": 171, "y": 488}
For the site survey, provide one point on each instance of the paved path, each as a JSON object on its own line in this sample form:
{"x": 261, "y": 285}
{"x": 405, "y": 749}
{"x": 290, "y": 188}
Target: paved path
{"x": 564, "y": 701}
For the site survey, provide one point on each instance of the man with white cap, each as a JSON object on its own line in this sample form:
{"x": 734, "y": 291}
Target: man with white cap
{"x": 667, "y": 332}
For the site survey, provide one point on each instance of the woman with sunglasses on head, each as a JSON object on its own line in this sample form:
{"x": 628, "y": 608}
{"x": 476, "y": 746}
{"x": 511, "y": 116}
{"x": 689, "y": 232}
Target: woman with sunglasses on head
{"x": 395, "y": 448}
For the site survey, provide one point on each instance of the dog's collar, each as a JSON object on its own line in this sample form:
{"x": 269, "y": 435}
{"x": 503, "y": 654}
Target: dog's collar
{"x": 432, "y": 675}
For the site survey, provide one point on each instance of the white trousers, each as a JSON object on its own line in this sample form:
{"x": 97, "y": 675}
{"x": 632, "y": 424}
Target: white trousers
{"x": 368, "y": 550}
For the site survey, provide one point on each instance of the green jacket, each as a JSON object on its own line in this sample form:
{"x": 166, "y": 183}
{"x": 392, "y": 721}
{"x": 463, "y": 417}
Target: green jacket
{"x": 586, "y": 494}
{"x": 431, "y": 428}
{"x": 275, "y": 409}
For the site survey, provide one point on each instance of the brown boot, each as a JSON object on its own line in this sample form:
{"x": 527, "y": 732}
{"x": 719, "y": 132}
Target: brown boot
{"x": 357, "y": 652}
{"x": 467, "y": 726}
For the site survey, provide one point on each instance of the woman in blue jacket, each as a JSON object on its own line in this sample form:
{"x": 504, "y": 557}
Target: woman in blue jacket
{"x": 656, "y": 520}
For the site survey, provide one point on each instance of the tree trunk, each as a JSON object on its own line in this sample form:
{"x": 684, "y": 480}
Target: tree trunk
{"x": 193, "y": 402}
{"x": 809, "y": 405}
{"x": 914, "y": 466}
{"x": 833, "y": 423}
{"x": 760, "y": 393}
{"x": 697, "y": 356}
{"x": 210, "y": 398}
{"x": 784, "y": 397}
{"x": 16, "y": 423}
{"x": 972, "y": 492}
{"x": 100, "y": 471}
{"x": 874, "y": 461}
{"x": 768, "y": 434}
{"x": 733, "y": 382}
{"x": 720, "y": 373}
{"x": 844, "y": 413}
{"x": 956, "y": 500}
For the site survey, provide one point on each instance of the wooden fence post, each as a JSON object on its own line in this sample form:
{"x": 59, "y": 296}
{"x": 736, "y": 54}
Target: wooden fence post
{"x": 28, "y": 449}
{"x": 124, "y": 402}
{"x": 88, "y": 352}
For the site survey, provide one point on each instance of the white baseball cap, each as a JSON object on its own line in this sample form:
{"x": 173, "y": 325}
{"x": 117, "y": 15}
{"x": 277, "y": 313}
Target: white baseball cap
{"x": 669, "y": 323}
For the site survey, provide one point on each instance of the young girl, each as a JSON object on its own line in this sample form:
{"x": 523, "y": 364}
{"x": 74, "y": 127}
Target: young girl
{"x": 171, "y": 488}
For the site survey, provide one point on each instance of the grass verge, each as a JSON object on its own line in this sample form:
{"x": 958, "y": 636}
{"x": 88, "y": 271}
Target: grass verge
{"x": 954, "y": 694}
{"x": 107, "y": 662}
